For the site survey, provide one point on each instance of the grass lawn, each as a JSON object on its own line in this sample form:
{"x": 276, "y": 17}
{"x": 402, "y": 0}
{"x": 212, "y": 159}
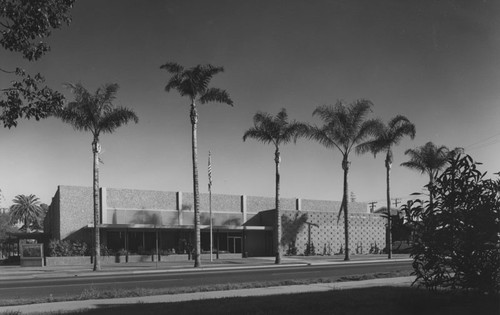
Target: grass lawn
{"x": 368, "y": 301}
{"x": 96, "y": 293}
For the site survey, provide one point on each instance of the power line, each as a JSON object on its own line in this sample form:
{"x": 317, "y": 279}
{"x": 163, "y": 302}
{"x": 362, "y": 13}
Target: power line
{"x": 483, "y": 142}
{"x": 484, "y": 145}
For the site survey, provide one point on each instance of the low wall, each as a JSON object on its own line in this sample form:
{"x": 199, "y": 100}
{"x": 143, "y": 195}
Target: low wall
{"x": 87, "y": 260}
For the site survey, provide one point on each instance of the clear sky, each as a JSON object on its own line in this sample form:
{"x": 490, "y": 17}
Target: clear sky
{"x": 436, "y": 62}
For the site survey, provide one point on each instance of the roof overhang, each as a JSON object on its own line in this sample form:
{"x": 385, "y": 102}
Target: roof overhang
{"x": 180, "y": 227}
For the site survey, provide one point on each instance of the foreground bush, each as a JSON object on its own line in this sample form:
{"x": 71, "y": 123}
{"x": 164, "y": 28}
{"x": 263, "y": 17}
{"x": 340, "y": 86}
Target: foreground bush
{"x": 457, "y": 237}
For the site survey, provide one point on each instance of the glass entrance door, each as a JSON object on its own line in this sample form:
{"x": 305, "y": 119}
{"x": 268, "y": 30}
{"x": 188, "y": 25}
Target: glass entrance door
{"x": 234, "y": 244}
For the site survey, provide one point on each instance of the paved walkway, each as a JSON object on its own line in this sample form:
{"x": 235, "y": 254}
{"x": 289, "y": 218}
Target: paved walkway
{"x": 16, "y": 272}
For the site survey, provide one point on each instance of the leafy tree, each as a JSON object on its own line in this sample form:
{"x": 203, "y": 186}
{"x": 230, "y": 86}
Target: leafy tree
{"x": 345, "y": 126}
{"x": 24, "y": 27}
{"x": 277, "y": 131}
{"x": 430, "y": 159}
{"x": 97, "y": 114}
{"x": 5, "y": 226}
{"x": 388, "y": 136}
{"x": 457, "y": 239}
{"x": 193, "y": 83}
{"x": 26, "y": 209}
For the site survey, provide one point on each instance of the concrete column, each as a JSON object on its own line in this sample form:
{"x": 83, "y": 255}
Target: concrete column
{"x": 104, "y": 206}
{"x": 243, "y": 205}
{"x": 179, "y": 207}
{"x": 298, "y": 204}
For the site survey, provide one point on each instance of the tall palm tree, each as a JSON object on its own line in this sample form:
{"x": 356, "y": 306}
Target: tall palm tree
{"x": 193, "y": 83}
{"x": 97, "y": 114}
{"x": 277, "y": 131}
{"x": 388, "y": 136}
{"x": 26, "y": 209}
{"x": 430, "y": 159}
{"x": 345, "y": 126}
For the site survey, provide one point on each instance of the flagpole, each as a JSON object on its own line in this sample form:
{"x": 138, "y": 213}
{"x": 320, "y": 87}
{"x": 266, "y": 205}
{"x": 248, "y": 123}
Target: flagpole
{"x": 210, "y": 204}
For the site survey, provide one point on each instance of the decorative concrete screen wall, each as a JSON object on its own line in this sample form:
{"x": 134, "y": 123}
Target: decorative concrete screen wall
{"x": 75, "y": 210}
{"x": 127, "y": 206}
{"x": 226, "y": 209}
{"x": 366, "y": 231}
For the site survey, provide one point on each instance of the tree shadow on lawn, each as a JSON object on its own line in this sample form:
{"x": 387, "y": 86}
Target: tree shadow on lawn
{"x": 373, "y": 301}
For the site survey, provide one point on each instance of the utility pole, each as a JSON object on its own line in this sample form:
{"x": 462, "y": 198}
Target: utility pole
{"x": 372, "y": 206}
{"x": 397, "y": 201}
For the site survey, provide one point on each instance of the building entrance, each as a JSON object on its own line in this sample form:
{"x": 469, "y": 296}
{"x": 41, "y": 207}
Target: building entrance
{"x": 234, "y": 244}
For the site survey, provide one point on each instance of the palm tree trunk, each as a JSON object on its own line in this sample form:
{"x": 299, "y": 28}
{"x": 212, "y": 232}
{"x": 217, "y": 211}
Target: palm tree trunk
{"x": 388, "y": 244}
{"x": 345, "y": 166}
{"x": 277, "y": 227}
{"x": 196, "y": 193}
{"x": 96, "y": 148}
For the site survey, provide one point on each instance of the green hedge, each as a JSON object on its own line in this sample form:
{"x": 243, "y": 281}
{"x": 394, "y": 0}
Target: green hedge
{"x": 67, "y": 248}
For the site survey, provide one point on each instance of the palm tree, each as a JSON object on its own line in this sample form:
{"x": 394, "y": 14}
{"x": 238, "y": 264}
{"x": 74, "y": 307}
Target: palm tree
{"x": 388, "y": 136}
{"x": 277, "y": 131}
{"x": 345, "y": 126}
{"x": 430, "y": 159}
{"x": 193, "y": 83}
{"x": 97, "y": 114}
{"x": 26, "y": 209}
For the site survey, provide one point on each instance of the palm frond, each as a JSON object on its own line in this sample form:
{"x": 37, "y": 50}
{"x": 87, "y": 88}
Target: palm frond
{"x": 172, "y": 67}
{"x": 115, "y": 118}
{"x": 414, "y": 165}
{"x": 216, "y": 95}
{"x": 106, "y": 95}
{"x": 374, "y": 146}
{"x": 323, "y": 136}
{"x": 78, "y": 115}
{"x": 282, "y": 116}
{"x": 294, "y": 130}
{"x": 210, "y": 70}
{"x": 367, "y": 128}
{"x": 325, "y": 112}
{"x": 397, "y": 120}
{"x": 173, "y": 83}
{"x": 95, "y": 112}
{"x": 193, "y": 82}
{"x": 259, "y": 135}
{"x": 277, "y": 130}
{"x": 262, "y": 118}
{"x": 428, "y": 158}
{"x": 357, "y": 112}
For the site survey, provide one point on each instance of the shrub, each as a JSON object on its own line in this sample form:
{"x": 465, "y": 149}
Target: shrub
{"x": 456, "y": 240}
{"x": 310, "y": 249}
{"x": 64, "y": 248}
{"x": 105, "y": 251}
